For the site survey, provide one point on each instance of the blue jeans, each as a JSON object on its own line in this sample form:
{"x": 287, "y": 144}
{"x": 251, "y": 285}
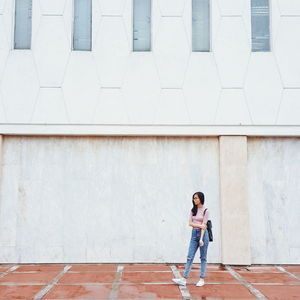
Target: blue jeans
{"x": 194, "y": 244}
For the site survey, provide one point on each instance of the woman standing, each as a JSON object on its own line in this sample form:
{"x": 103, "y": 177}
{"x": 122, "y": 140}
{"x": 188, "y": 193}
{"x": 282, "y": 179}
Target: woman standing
{"x": 199, "y": 238}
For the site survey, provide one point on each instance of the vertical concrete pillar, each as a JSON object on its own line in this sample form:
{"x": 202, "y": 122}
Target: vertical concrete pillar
{"x": 1, "y": 139}
{"x": 235, "y": 227}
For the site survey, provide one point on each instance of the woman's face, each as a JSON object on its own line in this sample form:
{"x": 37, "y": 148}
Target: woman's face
{"x": 196, "y": 199}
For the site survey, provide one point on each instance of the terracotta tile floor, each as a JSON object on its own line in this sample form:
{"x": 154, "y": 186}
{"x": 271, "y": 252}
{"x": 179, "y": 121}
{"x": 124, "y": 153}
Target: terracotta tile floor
{"x": 87, "y": 277}
{"x": 146, "y": 281}
{"x": 213, "y": 277}
{"x": 269, "y": 278}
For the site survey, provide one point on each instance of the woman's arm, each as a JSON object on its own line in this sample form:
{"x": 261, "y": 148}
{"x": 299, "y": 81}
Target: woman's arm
{"x": 205, "y": 218}
{"x": 201, "y": 237}
{"x": 194, "y": 225}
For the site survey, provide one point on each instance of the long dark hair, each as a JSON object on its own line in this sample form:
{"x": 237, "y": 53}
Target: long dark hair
{"x": 195, "y": 208}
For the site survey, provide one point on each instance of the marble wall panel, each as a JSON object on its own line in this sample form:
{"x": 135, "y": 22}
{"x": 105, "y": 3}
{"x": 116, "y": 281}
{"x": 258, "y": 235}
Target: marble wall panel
{"x": 105, "y": 199}
{"x": 273, "y": 195}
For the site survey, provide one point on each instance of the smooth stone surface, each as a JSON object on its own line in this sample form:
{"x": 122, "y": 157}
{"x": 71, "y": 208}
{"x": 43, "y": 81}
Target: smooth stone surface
{"x": 71, "y": 200}
{"x": 273, "y": 195}
{"x": 234, "y": 205}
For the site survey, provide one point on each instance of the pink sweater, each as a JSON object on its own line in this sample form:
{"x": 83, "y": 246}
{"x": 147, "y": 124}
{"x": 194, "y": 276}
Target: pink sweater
{"x": 198, "y": 218}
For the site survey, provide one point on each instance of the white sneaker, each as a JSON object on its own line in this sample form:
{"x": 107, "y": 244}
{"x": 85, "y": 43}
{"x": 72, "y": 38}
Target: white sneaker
{"x": 200, "y": 282}
{"x": 179, "y": 281}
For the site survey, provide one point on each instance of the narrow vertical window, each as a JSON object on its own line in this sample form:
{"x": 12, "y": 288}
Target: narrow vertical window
{"x": 141, "y": 25}
{"x": 260, "y": 23}
{"x": 201, "y": 25}
{"x": 23, "y": 21}
{"x": 82, "y": 29}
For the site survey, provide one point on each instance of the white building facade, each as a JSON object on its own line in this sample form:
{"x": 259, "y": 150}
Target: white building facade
{"x": 102, "y": 149}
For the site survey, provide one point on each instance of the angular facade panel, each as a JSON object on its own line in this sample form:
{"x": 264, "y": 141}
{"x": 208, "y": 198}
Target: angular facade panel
{"x": 109, "y": 7}
{"x": 289, "y": 7}
{"x": 111, "y": 108}
{"x": 141, "y": 99}
{"x": 289, "y": 111}
{"x": 51, "y": 51}
{"x": 232, "y": 51}
{"x": 171, "y": 7}
{"x": 2, "y": 112}
{"x": 287, "y": 51}
{"x": 171, "y": 37}
{"x": 171, "y": 108}
{"x": 111, "y": 51}
{"x": 80, "y": 92}
{"x": 275, "y": 18}
{"x": 171, "y": 52}
{"x": 50, "y": 107}
{"x": 187, "y": 21}
{"x": 20, "y": 72}
{"x": 4, "y": 45}
{"x": 53, "y": 7}
{"x": 233, "y": 7}
{"x": 232, "y": 108}
{"x": 6, "y": 14}
{"x": 2, "y": 2}
{"x": 202, "y": 88}
{"x": 264, "y": 88}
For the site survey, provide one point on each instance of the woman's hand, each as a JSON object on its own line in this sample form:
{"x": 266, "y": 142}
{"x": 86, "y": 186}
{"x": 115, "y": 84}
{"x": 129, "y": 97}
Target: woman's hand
{"x": 201, "y": 243}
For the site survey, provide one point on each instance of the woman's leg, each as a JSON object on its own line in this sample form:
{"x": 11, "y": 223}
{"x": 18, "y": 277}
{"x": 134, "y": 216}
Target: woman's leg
{"x": 203, "y": 255}
{"x": 194, "y": 244}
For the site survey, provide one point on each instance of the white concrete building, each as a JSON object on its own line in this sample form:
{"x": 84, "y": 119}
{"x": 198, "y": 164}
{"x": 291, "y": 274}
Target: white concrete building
{"x": 101, "y": 150}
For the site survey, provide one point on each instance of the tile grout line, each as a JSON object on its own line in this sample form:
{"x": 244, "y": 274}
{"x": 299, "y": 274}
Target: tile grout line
{"x": 139, "y": 283}
{"x": 11, "y": 269}
{"x": 277, "y": 284}
{"x": 102, "y": 298}
{"x": 282, "y": 269}
{"x": 183, "y": 289}
{"x": 247, "y": 284}
{"x": 45, "y": 290}
{"x": 115, "y": 286}
{"x": 75, "y": 272}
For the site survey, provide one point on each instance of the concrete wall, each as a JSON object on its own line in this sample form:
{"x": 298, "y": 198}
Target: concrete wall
{"x": 104, "y": 199}
{"x": 273, "y": 195}
{"x": 94, "y": 199}
{"x": 168, "y": 86}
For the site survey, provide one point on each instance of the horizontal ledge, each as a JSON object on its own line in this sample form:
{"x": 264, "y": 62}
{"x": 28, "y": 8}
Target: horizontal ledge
{"x": 149, "y": 130}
